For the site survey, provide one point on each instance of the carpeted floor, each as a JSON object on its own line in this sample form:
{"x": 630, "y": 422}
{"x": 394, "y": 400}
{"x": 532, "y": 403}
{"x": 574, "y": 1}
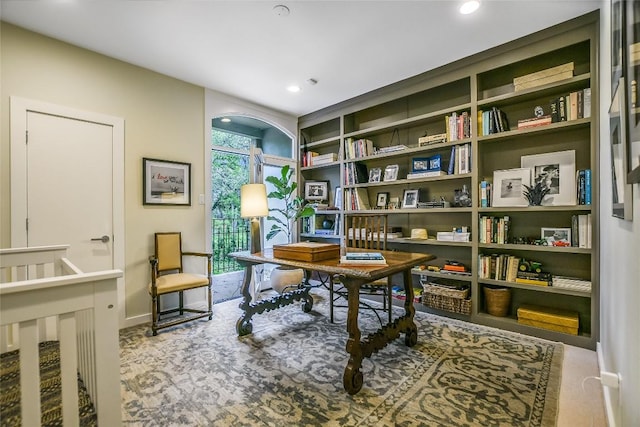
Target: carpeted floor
{"x": 289, "y": 373}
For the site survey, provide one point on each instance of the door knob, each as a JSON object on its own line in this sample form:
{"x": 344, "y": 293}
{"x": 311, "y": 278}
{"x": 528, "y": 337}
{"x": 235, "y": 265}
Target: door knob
{"x": 103, "y": 239}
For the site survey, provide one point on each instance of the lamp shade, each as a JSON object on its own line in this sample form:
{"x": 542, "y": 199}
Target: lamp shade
{"x": 253, "y": 201}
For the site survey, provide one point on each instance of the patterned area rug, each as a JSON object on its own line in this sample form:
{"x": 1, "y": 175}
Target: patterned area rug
{"x": 289, "y": 372}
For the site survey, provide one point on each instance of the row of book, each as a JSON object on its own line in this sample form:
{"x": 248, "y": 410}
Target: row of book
{"x": 494, "y": 229}
{"x": 355, "y": 173}
{"x": 356, "y": 199}
{"x": 458, "y": 126}
{"x": 583, "y": 186}
{"x": 492, "y": 121}
{"x": 498, "y": 267}
{"x": 356, "y": 148}
{"x": 581, "y": 231}
{"x": 460, "y": 159}
{"x": 485, "y": 193}
{"x": 572, "y": 106}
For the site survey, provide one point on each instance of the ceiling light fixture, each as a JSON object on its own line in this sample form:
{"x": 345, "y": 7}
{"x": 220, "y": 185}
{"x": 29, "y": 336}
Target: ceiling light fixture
{"x": 294, "y": 88}
{"x": 469, "y": 7}
{"x": 281, "y": 10}
{"x": 312, "y": 81}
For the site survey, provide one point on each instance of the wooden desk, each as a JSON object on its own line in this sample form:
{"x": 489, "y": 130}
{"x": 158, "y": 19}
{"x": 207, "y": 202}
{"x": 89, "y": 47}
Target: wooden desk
{"x": 352, "y": 277}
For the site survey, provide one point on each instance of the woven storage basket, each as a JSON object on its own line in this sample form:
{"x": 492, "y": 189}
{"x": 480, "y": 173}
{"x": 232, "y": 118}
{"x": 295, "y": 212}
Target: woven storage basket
{"x": 443, "y": 298}
{"x": 497, "y": 300}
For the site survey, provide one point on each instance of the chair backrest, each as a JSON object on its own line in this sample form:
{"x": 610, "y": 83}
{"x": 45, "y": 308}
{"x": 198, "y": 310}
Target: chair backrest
{"x": 366, "y": 231}
{"x": 169, "y": 251}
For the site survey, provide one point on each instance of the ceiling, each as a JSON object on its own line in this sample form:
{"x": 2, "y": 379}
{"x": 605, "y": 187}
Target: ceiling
{"x": 245, "y": 49}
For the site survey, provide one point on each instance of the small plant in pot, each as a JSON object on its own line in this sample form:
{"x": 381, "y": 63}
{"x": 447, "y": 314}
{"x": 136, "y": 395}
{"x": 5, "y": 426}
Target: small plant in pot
{"x": 535, "y": 193}
{"x": 284, "y": 219}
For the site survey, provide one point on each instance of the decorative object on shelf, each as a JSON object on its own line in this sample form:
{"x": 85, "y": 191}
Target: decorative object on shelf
{"x": 427, "y": 164}
{"x": 375, "y": 174}
{"x": 557, "y": 171}
{"x": 316, "y": 190}
{"x": 556, "y": 236}
{"x": 253, "y": 205}
{"x": 461, "y": 197}
{"x": 535, "y": 193}
{"x": 166, "y": 182}
{"x": 508, "y": 187}
{"x": 419, "y": 234}
{"x": 327, "y": 224}
{"x": 391, "y": 173}
{"x": 394, "y": 203}
{"x": 382, "y": 200}
{"x": 410, "y": 199}
{"x": 497, "y": 300}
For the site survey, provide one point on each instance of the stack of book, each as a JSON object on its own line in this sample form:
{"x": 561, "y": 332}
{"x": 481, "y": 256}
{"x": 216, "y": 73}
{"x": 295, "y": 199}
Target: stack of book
{"x": 571, "y": 283}
{"x": 458, "y": 126}
{"x": 581, "y": 231}
{"x": 363, "y": 258}
{"x": 543, "y": 77}
{"x": 534, "y": 122}
{"x": 391, "y": 149}
{"x": 322, "y": 159}
{"x": 432, "y": 139}
{"x": 533, "y": 278}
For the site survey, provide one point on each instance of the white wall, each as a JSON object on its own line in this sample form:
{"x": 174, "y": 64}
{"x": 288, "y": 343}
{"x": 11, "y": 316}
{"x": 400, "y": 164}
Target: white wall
{"x": 619, "y": 267}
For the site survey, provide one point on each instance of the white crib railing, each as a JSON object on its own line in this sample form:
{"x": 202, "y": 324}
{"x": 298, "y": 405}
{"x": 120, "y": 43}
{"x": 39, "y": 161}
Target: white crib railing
{"x": 43, "y": 296}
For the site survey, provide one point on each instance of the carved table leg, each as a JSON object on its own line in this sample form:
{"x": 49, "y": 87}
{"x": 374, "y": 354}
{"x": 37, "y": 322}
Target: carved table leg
{"x": 411, "y": 335}
{"x": 353, "y": 378}
{"x": 243, "y": 325}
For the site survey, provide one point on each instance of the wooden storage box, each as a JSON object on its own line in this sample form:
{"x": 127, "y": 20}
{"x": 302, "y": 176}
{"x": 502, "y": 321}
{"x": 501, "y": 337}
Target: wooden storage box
{"x": 307, "y": 251}
{"x": 443, "y": 298}
{"x": 565, "y": 321}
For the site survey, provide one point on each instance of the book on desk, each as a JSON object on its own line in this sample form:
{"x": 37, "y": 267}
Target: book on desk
{"x": 363, "y": 258}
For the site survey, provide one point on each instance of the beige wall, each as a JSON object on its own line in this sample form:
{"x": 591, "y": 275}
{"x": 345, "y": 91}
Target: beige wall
{"x": 163, "y": 119}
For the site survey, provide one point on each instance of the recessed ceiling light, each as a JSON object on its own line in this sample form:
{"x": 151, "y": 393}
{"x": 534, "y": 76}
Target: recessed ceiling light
{"x": 225, "y": 119}
{"x": 281, "y": 10}
{"x": 294, "y": 88}
{"x": 469, "y": 7}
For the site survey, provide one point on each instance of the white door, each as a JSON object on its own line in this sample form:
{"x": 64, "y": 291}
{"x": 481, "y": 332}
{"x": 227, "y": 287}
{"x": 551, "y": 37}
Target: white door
{"x": 67, "y": 182}
{"x": 69, "y": 188}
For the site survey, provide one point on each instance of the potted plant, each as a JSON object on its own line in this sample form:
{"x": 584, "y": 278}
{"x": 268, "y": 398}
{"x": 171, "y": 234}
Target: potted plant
{"x": 284, "y": 218}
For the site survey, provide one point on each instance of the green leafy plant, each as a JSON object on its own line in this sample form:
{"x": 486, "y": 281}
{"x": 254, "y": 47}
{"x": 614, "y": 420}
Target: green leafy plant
{"x": 294, "y": 205}
{"x": 536, "y": 193}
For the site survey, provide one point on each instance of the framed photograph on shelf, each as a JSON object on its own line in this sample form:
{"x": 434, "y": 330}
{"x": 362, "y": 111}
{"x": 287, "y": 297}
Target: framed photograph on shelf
{"x": 557, "y": 171}
{"x": 375, "y": 174}
{"x": 410, "y": 199}
{"x": 382, "y": 199}
{"x": 424, "y": 164}
{"x": 391, "y": 173}
{"x": 556, "y": 236}
{"x": 316, "y": 191}
{"x": 166, "y": 182}
{"x": 508, "y": 187}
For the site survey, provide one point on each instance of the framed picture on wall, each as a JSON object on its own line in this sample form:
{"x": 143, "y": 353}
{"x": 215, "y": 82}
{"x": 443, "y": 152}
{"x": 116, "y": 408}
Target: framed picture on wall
{"x": 631, "y": 61}
{"x": 166, "y": 182}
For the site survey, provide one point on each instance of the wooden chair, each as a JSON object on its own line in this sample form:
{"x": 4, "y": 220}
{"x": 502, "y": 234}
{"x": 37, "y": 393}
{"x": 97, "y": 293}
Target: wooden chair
{"x": 168, "y": 277}
{"x": 365, "y": 231}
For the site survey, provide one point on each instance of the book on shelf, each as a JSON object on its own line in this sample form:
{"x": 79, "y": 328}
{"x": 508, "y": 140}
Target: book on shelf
{"x": 543, "y": 77}
{"x": 534, "y": 121}
{"x": 531, "y": 281}
{"x": 485, "y": 194}
{"x": 532, "y": 278}
{"x": 355, "y": 148}
{"x": 322, "y": 159}
{"x": 427, "y": 174}
{"x": 391, "y": 149}
{"x": 573, "y": 283}
{"x": 432, "y": 139}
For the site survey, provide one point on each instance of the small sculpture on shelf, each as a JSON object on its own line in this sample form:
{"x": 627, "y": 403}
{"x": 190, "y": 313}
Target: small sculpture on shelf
{"x": 535, "y": 193}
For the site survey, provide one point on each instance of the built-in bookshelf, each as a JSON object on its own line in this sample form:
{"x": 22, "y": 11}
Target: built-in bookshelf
{"x": 420, "y": 149}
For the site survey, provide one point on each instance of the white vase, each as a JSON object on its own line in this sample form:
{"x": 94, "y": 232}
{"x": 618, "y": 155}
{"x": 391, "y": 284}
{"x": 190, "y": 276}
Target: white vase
{"x": 286, "y": 277}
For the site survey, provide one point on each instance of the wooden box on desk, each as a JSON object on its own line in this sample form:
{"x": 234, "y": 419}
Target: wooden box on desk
{"x": 549, "y": 318}
{"x": 307, "y": 251}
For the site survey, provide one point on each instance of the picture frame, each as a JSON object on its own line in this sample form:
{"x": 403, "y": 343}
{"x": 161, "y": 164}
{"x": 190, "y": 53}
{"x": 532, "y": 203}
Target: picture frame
{"x": 375, "y": 174}
{"x": 382, "y": 199}
{"x": 631, "y": 62}
{"x": 508, "y": 187}
{"x": 556, "y": 236}
{"x": 316, "y": 191}
{"x": 394, "y": 203}
{"x": 621, "y": 191}
{"x": 410, "y": 199}
{"x": 391, "y": 173}
{"x": 338, "y": 198}
{"x": 166, "y": 182}
{"x": 558, "y": 171}
{"x": 426, "y": 164}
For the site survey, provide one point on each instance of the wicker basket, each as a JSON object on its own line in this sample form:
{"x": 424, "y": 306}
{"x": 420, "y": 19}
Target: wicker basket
{"x": 443, "y": 298}
{"x": 497, "y": 301}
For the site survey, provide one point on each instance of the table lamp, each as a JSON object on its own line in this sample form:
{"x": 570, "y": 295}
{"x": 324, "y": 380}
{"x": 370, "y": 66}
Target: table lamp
{"x": 253, "y": 204}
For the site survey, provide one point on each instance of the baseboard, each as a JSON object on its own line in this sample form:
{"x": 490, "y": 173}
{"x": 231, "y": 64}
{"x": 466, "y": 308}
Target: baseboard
{"x": 608, "y": 404}
{"x": 146, "y": 318}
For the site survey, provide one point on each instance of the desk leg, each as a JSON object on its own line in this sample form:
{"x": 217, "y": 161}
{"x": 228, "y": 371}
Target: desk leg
{"x": 243, "y": 325}
{"x": 352, "y": 378}
{"x": 411, "y": 335}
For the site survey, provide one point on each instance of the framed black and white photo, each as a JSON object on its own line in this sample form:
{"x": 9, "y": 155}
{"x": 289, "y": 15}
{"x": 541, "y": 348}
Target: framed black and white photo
{"x": 556, "y": 236}
{"x": 382, "y": 199}
{"x": 556, "y": 171}
{"x": 508, "y": 187}
{"x": 424, "y": 164}
{"x": 166, "y": 182}
{"x": 316, "y": 191}
{"x": 337, "y": 198}
{"x": 410, "y": 199}
{"x": 391, "y": 173}
{"x": 375, "y": 174}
